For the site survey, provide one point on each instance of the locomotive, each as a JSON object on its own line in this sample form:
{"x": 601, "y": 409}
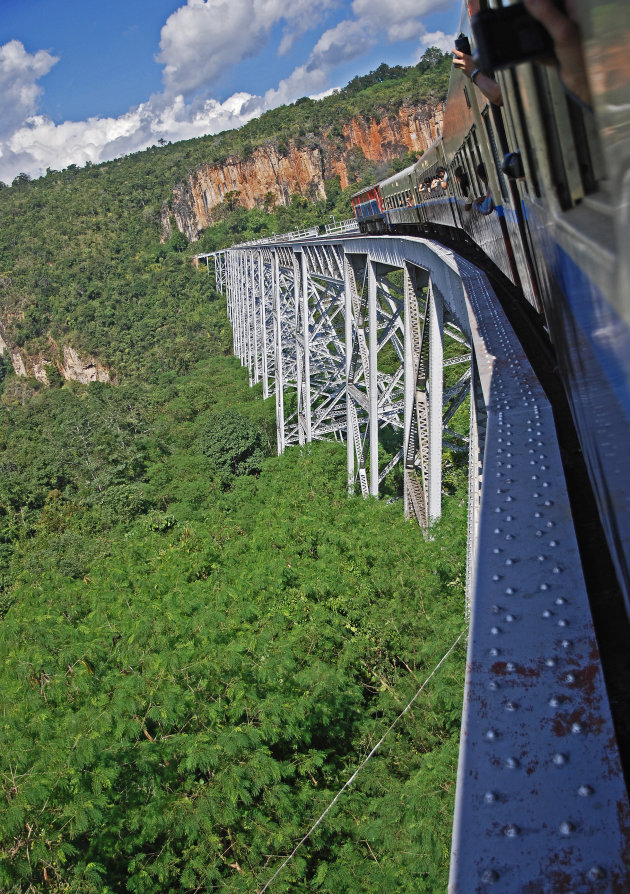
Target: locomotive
{"x": 538, "y": 185}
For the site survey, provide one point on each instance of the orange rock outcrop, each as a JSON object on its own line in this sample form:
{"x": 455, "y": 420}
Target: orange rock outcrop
{"x": 300, "y": 169}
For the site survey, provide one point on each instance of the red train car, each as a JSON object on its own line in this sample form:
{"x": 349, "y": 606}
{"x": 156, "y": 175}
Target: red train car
{"x": 369, "y": 210}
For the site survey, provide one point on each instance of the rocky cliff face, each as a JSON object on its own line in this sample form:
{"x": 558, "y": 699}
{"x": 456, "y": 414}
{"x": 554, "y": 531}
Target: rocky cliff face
{"x": 68, "y": 362}
{"x": 300, "y": 169}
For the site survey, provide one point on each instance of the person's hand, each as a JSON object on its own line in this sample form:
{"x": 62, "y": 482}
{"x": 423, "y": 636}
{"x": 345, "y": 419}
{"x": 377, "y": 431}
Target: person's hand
{"x": 567, "y": 45}
{"x": 486, "y": 84}
{"x": 464, "y": 62}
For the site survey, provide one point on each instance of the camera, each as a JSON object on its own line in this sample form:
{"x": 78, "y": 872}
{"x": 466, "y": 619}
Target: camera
{"x": 508, "y": 36}
{"x": 463, "y": 45}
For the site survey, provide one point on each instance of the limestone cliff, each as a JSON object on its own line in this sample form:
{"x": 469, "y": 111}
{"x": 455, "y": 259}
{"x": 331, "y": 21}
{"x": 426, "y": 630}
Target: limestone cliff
{"x": 300, "y": 167}
{"x": 67, "y": 361}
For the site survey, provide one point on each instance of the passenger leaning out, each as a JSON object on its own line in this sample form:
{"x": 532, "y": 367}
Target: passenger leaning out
{"x": 461, "y": 178}
{"x": 440, "y": 179}
{"x": 485, "y": 203}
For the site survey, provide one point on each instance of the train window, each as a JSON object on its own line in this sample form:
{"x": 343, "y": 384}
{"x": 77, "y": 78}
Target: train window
{"x": 495, "y": 154}
{"x": 471, "y": 162}
{"x": 468, "y": 167}
{"x": 476, "y": 156}
{"x": 587, "y": 145}
{"x": 524, "y": 132}
{"x": 568, "y": 140}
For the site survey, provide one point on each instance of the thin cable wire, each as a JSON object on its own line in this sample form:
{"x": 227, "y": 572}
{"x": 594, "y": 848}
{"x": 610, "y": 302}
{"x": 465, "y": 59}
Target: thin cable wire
{"x": 359, "y": 768}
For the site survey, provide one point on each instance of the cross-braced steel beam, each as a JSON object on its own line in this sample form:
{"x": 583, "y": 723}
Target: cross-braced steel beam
{"x": 328, "y": 326}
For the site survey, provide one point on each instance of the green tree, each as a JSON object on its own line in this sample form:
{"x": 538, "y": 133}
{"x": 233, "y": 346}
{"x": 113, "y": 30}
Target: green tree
{"x": 233, "y": 444}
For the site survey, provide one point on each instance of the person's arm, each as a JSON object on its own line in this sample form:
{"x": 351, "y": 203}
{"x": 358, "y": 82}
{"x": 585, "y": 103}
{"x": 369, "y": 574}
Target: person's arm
{"x": 484, "y": 82}
{"x": 567, "y": 45}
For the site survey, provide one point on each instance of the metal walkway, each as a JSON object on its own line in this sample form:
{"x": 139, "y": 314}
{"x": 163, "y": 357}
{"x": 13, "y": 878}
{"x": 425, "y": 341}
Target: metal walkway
{"x": 354, "y": 334}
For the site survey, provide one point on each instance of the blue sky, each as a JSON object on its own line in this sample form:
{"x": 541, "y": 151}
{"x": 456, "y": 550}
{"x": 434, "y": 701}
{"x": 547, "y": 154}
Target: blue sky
{"x": 81, "y": 80}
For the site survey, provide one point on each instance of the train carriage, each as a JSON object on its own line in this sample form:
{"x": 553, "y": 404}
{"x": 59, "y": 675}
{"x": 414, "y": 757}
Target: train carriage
{"x": 558, "y": 227}
{"x": 368, "y": 208}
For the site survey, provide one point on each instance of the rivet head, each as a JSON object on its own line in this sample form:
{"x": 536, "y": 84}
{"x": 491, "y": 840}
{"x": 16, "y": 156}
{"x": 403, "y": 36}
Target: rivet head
{"x": 511, "y": 831}
{"x": 510, "y": 666}
{"x": 496, "y": 577}
{"x": 576, "y": 728}
{"x": 493, "y": 685}
{"x": 550, "y": 662}
{"x": 560, "y": 759}
{"x": 596, "y": 873}
{"x": 495, "y": 609}
{"x": 569, "y": 678}
{"x": 510, "y": 618}
{"x": 495, "y": 631}
{"x": 546, "y": 613}
{"x": 566, "y": 643}
{"x": 489, "y": 876}
{"x": 554, "y": 701}
{"x": 510, "y": 591}
{"x": 563, "y": 622}
{"x": 585, "y": 791}
{"x": 566, "y": 828}
{"x": 511, "y": 706}
{"x": 494, "y": 652}
{"x": 491, "y": 734}
{"x": 512, "y": 763}
{"x": 490, "y": 798}
{"x": 560, "y": 600}
{"x": 544, "y": 587}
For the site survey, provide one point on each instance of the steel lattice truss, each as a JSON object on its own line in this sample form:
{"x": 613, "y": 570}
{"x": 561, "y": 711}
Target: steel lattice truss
{"x": 362, "y": 335}
{"x": 349, "y": 338}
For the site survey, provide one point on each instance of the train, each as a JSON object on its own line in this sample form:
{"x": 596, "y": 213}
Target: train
{"x": 537, "y": 184}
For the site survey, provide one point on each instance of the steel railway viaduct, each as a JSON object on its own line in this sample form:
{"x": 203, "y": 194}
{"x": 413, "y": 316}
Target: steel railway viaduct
{"x": 353, "y": 333}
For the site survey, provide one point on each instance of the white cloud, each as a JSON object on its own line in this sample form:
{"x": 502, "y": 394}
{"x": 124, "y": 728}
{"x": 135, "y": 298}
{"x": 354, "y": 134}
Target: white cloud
{"x": 198, "y": 42}
{"x": 439, "y": 39}
{"x": 204, "y": 37}
{"x": 19, "y": 90}
{"x": 347, "y": 40}
{"x": 304, "y": 15}
{"x": 40, "y": 143}
{"x": 396, "y": 19}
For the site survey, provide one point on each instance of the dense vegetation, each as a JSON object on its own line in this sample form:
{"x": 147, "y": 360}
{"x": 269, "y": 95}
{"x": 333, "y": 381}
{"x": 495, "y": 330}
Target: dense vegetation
{"x": 199, "y": 641}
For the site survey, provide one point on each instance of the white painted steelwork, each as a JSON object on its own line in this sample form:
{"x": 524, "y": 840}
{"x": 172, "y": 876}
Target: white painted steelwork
{"x": 360, "y": 332}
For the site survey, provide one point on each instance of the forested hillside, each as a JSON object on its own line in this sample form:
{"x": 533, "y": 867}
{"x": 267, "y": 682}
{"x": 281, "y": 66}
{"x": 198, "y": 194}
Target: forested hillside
{"x": 199, "y": 641}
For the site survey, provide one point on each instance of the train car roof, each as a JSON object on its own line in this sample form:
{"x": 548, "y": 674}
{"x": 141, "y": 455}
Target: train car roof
{"x": 365, "y": 189}
{"x": 404, "y": 173}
